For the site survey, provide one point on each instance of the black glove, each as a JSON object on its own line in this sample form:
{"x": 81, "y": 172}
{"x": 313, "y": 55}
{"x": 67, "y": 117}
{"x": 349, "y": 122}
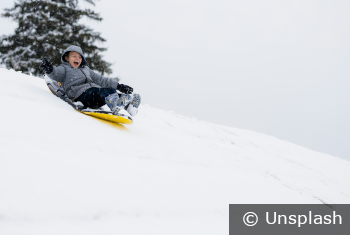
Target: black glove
{"x": 46, "y": 66}
{"x": 125, "y": 89}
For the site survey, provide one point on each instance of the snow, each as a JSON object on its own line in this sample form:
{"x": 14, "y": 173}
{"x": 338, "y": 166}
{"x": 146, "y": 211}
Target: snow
{"x": 63, "y": 172}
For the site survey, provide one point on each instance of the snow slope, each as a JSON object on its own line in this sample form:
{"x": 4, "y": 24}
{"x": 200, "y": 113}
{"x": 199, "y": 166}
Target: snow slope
{"x": 62, "y": 172}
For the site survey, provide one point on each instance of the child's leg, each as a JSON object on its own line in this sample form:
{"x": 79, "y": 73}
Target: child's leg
{"x": 128, "y": 102}
{"x": 133, "y": 106}
{"x": 95, "y": 97}
{"x": 117, "y": 102}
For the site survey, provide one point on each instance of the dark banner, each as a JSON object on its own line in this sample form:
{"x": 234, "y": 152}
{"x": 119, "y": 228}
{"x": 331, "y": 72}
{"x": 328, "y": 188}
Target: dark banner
{"x": 288, "y": 219}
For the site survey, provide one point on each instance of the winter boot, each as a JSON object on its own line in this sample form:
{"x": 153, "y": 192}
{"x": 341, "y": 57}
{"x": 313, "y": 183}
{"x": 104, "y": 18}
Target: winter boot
{"x": 133, "y": 106}
{"x": 116, "y": 103}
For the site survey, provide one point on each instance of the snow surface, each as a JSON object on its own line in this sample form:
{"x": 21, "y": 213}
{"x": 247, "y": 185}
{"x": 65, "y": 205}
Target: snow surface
{"x": 62, "y": 172}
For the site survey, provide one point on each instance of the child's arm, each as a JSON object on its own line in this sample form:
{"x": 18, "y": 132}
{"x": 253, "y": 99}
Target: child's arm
{"x": 55, "y": 73}
{"x": 103, "y": 81}
{"x": 58, "y": 73}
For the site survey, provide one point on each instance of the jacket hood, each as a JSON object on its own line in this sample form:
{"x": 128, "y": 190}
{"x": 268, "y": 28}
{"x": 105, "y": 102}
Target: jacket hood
{"x": 77, "y": 49}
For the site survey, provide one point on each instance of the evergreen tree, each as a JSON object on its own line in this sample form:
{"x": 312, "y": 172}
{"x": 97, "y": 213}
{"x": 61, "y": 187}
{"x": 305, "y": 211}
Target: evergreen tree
{"x": 45, "y": 29}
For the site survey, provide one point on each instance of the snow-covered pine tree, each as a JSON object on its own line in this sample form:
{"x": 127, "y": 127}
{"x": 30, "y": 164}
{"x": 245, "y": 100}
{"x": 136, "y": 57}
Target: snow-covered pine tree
{"x": 46, "y": 28}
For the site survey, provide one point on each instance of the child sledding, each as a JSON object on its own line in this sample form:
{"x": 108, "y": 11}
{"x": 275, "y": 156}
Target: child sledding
{"x": 81, "y": 84}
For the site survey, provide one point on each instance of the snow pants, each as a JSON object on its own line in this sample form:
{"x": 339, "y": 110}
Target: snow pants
{"x": 95, "y": 97}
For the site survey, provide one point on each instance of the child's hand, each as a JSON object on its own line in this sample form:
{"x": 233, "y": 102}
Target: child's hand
{"x": 46, "y": 66}
{"x": 125, "y": 89}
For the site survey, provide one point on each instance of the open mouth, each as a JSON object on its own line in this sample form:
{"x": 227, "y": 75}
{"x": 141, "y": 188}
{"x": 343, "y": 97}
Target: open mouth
{"x": 76, "y": 63}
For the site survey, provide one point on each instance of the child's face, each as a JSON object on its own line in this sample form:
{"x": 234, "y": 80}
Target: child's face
{"x": 74, "y": 59}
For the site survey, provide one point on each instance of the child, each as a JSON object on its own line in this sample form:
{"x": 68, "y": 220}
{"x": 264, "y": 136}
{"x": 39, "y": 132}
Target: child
{"x": 93, "y": 90}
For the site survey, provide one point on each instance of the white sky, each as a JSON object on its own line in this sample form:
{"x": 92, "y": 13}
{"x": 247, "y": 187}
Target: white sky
{"x": 276, "y": 67}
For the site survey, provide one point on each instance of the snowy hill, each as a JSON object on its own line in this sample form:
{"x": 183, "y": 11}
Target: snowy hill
{"x": 63, "y": 172}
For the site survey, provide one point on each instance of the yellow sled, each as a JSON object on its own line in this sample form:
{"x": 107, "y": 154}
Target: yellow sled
{"x": 121, "y": 119}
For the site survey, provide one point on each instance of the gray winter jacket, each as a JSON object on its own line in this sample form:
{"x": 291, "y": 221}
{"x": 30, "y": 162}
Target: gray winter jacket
{"x": 77, "y": 80}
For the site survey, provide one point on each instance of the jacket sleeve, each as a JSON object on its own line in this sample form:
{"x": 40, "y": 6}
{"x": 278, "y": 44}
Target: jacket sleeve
{"x": 103, "y": 81}
{"x": 58, "y": 74}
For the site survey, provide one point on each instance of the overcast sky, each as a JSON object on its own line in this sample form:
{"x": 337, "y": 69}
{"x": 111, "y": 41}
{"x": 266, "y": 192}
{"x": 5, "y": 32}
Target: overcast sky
{"x": 273, "y": 66}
